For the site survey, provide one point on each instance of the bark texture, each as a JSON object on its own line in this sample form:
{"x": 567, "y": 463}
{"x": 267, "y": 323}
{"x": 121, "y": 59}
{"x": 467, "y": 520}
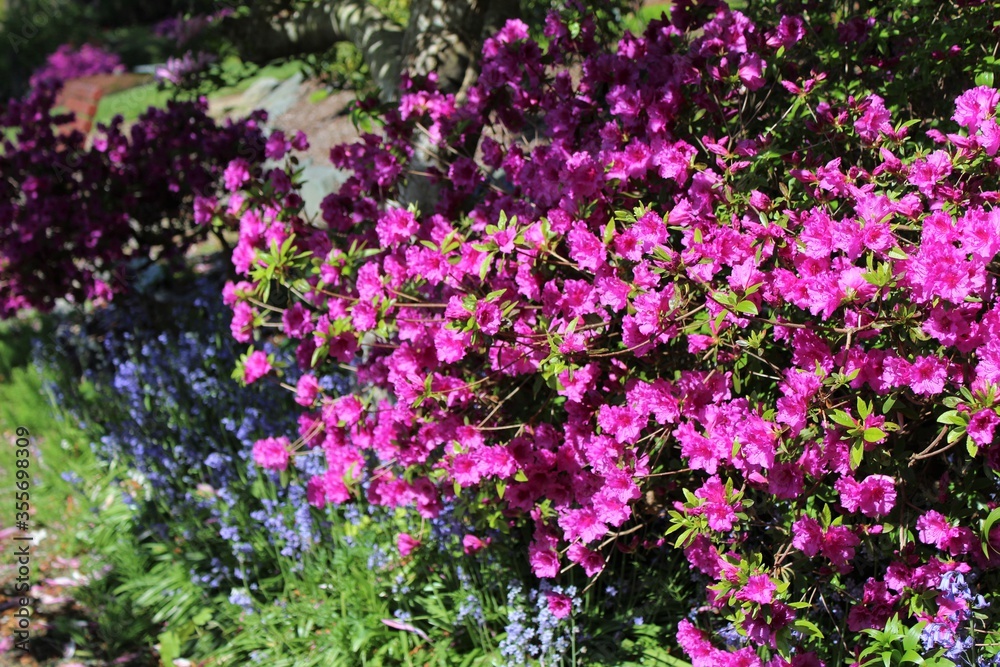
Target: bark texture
{"x": 442, "y": 36}
{"x": 318, "y": 27}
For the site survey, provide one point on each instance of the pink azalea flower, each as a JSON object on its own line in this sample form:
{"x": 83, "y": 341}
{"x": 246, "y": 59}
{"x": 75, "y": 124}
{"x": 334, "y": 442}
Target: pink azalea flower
{"x": 974, "y": 106}
{"x": 242, "y": 324}
{"x": 544, "y": 561}
{"x": 560, "y": 605}
{"x": 759, "y": 589}
{"x": 875, "y": 120}
{"x": 406, "y": 543}
{"x": 874, "y": 496}
{"x": 807, "y": 536}
{"x": 256, "y": 366}
{"x": 488, "y": 317}
{"x": 395, "y": 225}
{"x": 272, "y": 453}
{"x": 306, "y": 390}
{"x": 933, "y": 528}
{"x": 471, "y": 544}
{"x": 591, "y": 561}
{"x": 751, "y": 71}
{"x": 982, "y": 426}
{"x": 237, "y": 173}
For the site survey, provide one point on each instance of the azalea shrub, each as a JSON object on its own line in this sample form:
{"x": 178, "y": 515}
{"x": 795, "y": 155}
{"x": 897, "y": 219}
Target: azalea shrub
{"x": 81, "y": 216}
{"x": 67, "y": 63}
{"x": 684, "y": 290}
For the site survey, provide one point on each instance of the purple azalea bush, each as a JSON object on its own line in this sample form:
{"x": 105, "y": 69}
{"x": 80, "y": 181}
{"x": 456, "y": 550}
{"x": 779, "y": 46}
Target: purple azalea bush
{"x": 69, "y": 62}
{"x": 80, "y": 215}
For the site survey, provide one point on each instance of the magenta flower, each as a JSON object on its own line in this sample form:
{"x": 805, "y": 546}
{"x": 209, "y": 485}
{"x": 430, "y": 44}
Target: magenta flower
{"x": 591, "y": 561}
{"x": 544, "y": 561}
{"x": 471, "y": 544}
{"x": 242, "y": 324}
{"x": 236, "y": 174}
{"x": 306, "y": 390}
{"x": 395, "y": 226}
{"x": 875, "y": 119}
{"x": 277, "y": 146}
{"x": 406, "y": 543}
{"x": 296, "y": 321}
{"x": 874, "y": 496}
{"x": 560, "y": 605}
{"x": 272, "y": 453}
{"x": 256, "y": 367}
{"x": 759, "y": 589}
{"x": 975, "y": 106}
{"x": 751, "y": 71}
{"x": 69, "y": 63}
{"x": 488, "y": 317}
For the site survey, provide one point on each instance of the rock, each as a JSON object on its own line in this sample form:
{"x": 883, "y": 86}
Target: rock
{"x": 320, "y": 180}
{"x": 283, "y": 96}
{"x": 241, "y": 104}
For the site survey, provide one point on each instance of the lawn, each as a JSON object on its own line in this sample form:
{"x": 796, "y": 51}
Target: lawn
{"x": 133, "y": 102}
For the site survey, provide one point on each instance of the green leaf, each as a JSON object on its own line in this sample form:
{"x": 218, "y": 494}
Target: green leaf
{"x": 863, "y": 409}
{"x": 952, "y": 417}
{"x": 971, "y": 447}
{"x": 808, "y": 628}
{"x": 203, "y": 617}
{"x": 170, "y": 647}
{"x": 572, "y": 327}
{"x": 857, "y": 453}
{"x": 873, "y": 434}
{"x": 984, "y": 79}
{"x": 683, "y": 538}
{"x": 485, "y": 266}
{"x": 991, "y": 519}
{"x": 320, "y": 352}
{"x": 747, "y": 307}
{"x": 842, "y": 418}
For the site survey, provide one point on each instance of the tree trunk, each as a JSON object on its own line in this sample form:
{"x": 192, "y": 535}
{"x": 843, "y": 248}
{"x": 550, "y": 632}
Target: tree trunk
{"x": 317, "y": 28}
{"x": 442, "y": 36}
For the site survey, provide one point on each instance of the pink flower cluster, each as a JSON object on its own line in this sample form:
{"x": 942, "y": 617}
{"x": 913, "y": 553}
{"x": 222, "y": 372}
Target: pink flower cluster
{"x": 652, "y": 314}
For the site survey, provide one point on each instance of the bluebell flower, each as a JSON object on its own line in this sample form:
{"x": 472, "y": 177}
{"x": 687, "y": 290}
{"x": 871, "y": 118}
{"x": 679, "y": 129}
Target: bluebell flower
{"x": 179, "y": 420}
{"x": 241, "y": 598}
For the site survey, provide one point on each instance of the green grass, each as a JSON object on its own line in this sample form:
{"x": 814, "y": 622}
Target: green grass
{"x": 134, "y": 102}
{"x": 60, "y": 447}
{"x": 131, "y": 103}
{"x": 279, "y": 71}
{"x": 86, "y": 520}
{"x": 637, "y": 22}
